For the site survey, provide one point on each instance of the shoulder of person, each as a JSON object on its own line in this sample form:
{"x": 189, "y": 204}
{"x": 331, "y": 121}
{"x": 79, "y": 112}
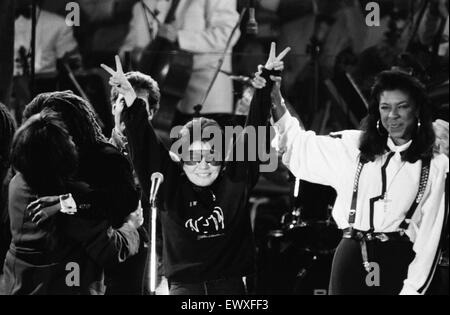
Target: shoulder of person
{"x": 18, "y": 186}
{"x": 17, "y": 180}
{"x": 440, "y": 163}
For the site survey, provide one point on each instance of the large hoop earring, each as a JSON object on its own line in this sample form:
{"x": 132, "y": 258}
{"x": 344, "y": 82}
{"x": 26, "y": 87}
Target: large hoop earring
{"x": 379, "y": 128}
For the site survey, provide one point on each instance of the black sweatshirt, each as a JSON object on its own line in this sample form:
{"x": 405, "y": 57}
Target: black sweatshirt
{"x": 207, "y": 233}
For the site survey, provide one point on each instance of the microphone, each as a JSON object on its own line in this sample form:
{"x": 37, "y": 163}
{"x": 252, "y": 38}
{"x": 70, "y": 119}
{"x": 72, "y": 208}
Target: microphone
{"x": 238, "y": 78}
{"x": 157, "y": 179}
{"x": 241, "y": 79}
{"x": 252, "y": 24}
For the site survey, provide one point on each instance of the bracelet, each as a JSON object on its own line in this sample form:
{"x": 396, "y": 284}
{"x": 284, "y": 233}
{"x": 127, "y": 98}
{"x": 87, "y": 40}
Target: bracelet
{"x": 68, "y": 205}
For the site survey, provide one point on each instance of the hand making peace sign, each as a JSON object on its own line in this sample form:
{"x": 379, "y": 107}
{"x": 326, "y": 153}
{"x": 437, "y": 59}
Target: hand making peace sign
{"x": 120, "y": 82}
{"x": 273, "y": 63}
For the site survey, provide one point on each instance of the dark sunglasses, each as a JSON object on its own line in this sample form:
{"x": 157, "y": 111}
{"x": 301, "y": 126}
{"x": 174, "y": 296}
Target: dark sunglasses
{"x": 194, "y": 157}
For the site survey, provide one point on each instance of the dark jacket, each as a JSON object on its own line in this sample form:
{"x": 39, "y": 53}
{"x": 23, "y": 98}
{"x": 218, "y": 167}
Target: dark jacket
{"x": 40, "y": 257}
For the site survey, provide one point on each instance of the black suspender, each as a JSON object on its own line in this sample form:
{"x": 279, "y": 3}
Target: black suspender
{"x": 424, "y": 175}
{"x": 352, "y": 215}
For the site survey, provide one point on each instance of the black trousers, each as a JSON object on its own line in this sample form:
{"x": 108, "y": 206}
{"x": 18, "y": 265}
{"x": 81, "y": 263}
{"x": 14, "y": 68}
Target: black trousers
{"x": 348, "y": 276}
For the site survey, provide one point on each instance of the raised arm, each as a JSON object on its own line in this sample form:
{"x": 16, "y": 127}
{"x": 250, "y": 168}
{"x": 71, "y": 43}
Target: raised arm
{"x": 147, "y": 152}
{"x": 256, "y": 136}
{"x": 318, "y": 159}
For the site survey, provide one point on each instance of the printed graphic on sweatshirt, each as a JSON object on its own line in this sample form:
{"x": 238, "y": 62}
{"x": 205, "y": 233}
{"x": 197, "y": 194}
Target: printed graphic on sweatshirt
{"x": 208, "y": 227}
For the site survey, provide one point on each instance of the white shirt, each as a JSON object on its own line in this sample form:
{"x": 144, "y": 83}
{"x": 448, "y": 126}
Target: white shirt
{"x": 204, "y": 27}
{"x": 333, "y": 161}
{"x": 53, "y": 40}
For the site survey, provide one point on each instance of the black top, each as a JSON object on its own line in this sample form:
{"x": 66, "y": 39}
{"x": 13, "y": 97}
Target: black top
{"x": 207, "y": 233}
{"x": 109, "y": 188}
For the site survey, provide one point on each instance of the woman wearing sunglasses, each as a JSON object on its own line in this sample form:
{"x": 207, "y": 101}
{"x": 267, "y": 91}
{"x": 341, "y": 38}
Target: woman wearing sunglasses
{"x": 208, "y": 245}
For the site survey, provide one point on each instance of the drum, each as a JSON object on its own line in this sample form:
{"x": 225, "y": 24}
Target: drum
{"x": 320, "y": 237}
{"x": 284, "y": 267}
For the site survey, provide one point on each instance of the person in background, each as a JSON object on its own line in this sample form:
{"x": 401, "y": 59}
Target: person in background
{"x": 318, "y": 31}
{"x": 430, "y": 28}
{"x": 147, "y": 89}
{"x": 201, "y": 27}
{"x": 54, "y": 42}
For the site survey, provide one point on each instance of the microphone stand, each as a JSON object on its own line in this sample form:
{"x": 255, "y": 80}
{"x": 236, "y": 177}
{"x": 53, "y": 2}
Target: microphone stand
{"x": 222, "y": 57}
{"x": 153, "y": 273}
{"x": 154, "y": 212}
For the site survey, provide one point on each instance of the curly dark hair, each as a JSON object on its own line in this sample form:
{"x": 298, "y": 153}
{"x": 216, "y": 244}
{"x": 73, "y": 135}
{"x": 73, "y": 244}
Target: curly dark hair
{"x": 43, "y": 152}
{"x": 373, "y": 143}
{"x": 76, "y": 113}
{"x": 7, "y": 129}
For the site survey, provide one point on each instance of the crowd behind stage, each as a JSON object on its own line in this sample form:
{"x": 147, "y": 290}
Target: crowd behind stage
{"x": 82, "y": 132}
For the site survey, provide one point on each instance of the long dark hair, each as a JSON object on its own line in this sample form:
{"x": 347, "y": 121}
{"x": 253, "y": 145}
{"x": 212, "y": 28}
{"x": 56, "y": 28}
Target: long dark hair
{"x": 7, "y": 129}
{"x": 42, "y": 151}
{"x": 373, "y": 141}
{"x": 76, "y": 113}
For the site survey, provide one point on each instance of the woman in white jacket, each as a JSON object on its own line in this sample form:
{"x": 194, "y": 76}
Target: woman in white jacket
{"x": 390, "y": 188}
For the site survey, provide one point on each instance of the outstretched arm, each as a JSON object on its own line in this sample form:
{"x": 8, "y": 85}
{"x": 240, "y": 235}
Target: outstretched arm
{"x": 147, "y": 152}
{"x": 254, "y": 140}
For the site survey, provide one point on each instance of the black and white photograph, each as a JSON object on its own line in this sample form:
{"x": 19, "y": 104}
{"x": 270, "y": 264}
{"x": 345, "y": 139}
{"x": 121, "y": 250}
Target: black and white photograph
{"x": 233, "y": 153}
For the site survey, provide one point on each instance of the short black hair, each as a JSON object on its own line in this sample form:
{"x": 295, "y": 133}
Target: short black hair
{"x": 373, "y": 143}
{"x": 140, "y": 81}
{"x": 206, "y": 130}
{"x": 42, "y": 151}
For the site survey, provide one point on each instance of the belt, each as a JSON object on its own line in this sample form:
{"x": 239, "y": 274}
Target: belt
{"x": 367, "y": 236}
